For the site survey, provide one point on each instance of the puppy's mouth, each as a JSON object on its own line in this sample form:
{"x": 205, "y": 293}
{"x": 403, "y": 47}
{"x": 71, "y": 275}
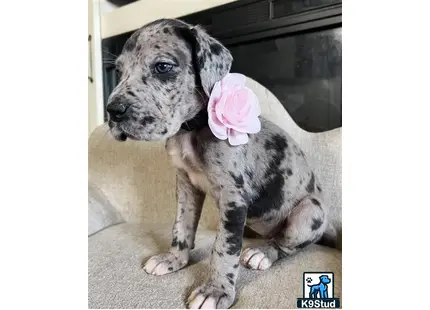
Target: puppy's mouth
{"x": 116, "y": 132}
{"x": 122, "y": 134}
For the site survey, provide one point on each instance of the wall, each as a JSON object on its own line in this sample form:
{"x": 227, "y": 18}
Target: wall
{"x": 136, "y": 14}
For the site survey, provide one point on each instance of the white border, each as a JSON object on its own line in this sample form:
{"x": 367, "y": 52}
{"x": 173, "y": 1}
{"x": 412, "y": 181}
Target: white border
{"x": 385, "y": 155}
{"x": 43, "y": 157}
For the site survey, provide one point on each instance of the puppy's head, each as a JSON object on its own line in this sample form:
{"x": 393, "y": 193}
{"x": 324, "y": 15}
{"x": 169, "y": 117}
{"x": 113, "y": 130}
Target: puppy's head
{"x": 325, "y": 279}
{"x": 167, "y": 71}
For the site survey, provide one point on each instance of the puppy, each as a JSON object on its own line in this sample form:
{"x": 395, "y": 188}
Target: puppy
{"x": 168, "y": 69}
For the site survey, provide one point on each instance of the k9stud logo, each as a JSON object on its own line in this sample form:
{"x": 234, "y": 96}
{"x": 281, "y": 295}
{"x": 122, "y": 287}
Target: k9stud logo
{"x": 318, "y": 291}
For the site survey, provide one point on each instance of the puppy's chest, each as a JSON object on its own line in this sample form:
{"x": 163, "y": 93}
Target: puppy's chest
{"x": 183, "y": 156}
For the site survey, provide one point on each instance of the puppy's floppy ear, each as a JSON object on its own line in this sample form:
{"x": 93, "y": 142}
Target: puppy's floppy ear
{"x": 211, "y": 60}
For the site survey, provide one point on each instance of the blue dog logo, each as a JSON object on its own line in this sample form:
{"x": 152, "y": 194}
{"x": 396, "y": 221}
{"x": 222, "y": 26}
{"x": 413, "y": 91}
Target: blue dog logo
{"x": 320, "y": 295}
{"x": 320, "y": 290}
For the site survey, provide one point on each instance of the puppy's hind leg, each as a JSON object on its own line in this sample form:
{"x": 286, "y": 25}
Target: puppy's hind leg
{"x": 305, "y": 225}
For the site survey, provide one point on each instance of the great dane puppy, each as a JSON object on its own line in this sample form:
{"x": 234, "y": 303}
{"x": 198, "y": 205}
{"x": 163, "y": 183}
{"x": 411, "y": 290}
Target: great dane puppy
{"x": 168, "y": 69}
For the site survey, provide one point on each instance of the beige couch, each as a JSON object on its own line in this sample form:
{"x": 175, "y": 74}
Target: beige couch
{"x": 132, "y": 209}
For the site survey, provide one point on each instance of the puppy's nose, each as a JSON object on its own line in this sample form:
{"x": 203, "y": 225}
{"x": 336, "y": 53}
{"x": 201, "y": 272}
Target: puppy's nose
{"x": 117, "y": 111}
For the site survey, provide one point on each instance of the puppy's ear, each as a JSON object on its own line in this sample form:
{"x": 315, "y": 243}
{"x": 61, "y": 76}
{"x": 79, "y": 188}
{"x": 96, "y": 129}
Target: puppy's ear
{"x": 211, "y": 60}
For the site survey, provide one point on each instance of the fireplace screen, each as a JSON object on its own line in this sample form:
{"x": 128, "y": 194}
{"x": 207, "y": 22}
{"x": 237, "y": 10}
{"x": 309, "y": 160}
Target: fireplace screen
{"x": 303, "y": 71}
{"x": 292, "y": 47}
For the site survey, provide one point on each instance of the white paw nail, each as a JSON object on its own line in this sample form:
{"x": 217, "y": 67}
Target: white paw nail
{"x": 255, "y": 260}
{"x": 196, "y": 302}
{"x": 161, "y": 269}
{"x": 150, "y": 265}
{"x": 210, "y": 303}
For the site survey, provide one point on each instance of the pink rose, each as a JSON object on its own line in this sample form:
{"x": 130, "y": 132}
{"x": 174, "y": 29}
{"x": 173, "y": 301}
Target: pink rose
{"x": 233, "y": 110}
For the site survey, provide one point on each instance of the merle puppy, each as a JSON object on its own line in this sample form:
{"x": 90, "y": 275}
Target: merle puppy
{"x": 168, "y": 69}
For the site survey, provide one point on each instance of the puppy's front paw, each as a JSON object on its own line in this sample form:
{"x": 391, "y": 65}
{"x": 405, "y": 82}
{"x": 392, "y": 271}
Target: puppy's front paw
{"x": 254, "y": 258}
{"x": 211, "y": 296}
{"x": 162, "y": 264}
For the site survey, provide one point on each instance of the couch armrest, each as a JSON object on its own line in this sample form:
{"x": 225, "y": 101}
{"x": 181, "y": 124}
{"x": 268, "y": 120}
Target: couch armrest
{"x": 101, "y": 213}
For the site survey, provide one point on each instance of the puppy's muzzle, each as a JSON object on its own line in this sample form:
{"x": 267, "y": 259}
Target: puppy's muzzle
{"x": 117, "y": 111}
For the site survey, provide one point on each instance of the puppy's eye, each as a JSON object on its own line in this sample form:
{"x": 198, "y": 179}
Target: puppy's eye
{"x": 163, "y": 67}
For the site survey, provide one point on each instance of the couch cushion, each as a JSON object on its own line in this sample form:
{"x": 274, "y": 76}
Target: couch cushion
{"x": 116, "y": 279}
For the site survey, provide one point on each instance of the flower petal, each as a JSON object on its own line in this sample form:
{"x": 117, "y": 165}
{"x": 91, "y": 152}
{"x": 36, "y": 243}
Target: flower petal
{"x": 217, "y": 128}
{"x": 236, "y": 137}
{"x": 232, "y": 81}
{"x": 215, "y": 95}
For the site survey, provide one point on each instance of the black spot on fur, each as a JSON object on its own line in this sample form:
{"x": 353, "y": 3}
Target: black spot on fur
{"x": 157, "y": 46}
{"x": 319, "y": 189}
{"x": 170, "y": 268}
{"x": 271, "y": 195}
{"x": 215, "y": 48}
{"x": 289, "y": 172}
{"x": 166, "y": 30}
{"x": 249, "y": 173}
{"x": 316, "y": 223}
{"x": 237, "y": 179}
{"x": 131, "y": 94}
{"x": 164, "y": 131}
{"x": 219, "y": 253}
{"x": 235, "y": 164}
{"x": 235, "y": 265}
{"x": 315, "y": 202}
{"x": 277, "y": 143}
{"x": 231, "y": 281}
{"x": 144, "y": 81}
{"x": 147, "y": 120}
{"x": 230, "y": 275}
{"x": 218, "y": 162}
{"x": 190, "y": 37}
{"x": 234, "y": 224}
{"x": 310, "y": 188}
{"x": 180, "y": 244}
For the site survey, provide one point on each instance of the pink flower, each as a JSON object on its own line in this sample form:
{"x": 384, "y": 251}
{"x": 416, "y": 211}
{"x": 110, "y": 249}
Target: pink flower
{"x": 233, "y": 110}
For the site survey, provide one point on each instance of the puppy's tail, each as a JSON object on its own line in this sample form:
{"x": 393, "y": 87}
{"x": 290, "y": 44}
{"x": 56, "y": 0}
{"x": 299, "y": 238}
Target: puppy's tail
{"x": 331, "y": 238}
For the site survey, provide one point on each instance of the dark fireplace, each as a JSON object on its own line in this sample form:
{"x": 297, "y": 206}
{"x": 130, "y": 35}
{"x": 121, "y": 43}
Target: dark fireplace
{"x": 292, "y": 47}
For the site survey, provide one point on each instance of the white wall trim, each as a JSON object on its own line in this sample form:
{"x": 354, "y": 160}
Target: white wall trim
{"x": 97, "y": 61}
{"x": 134, "y": 15}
